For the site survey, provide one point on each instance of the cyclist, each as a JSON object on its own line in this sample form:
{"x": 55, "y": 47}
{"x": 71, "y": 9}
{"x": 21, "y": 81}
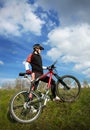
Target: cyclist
{"x": 35, "y": 61}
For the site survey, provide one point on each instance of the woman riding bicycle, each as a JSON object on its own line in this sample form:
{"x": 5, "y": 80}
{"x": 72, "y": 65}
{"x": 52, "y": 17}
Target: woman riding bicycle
{"x": 35, "y": 60}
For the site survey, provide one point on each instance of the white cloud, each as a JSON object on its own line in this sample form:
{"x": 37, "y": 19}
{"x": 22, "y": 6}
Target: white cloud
{"x": 23, "y": 62}
{"x": 18, "y": 17}
{"x": 7, "y": 80}
{"x": 71, "y": 45}
{"x": 1, "y": 63}
{"x": 87, "y": 72}
{"x": 69, "y": 11}
{"x": 54, "y": 53}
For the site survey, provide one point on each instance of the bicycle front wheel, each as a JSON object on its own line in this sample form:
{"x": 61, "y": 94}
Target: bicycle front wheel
{"x": 23, "y": 112}
{"x": 68, "y": 88}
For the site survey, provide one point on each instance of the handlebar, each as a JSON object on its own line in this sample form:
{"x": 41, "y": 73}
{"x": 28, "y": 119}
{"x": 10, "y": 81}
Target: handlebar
{"x": 52, "y": 66}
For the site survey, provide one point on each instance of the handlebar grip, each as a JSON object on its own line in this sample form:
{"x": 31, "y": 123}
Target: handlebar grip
{"x": 21, "y": 74}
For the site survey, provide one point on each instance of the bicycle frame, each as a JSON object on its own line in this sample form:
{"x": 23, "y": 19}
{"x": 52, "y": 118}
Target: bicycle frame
{"x": 51, "y": 73}
{"x": 21, "y": 108}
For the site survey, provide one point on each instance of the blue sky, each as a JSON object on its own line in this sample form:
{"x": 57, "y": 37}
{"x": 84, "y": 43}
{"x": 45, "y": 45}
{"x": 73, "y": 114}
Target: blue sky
{"x": 62, "y": 27}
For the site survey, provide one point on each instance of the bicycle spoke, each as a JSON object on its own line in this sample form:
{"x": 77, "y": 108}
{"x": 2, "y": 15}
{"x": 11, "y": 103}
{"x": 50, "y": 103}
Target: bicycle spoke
{"x": 23, "y": 111}
{"x": 70, "y": 94}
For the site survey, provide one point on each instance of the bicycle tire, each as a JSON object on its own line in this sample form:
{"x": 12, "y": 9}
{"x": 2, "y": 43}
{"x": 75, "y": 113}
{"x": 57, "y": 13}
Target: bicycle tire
{"x": 17, "y": 110}
{"x": 71, "y": 93}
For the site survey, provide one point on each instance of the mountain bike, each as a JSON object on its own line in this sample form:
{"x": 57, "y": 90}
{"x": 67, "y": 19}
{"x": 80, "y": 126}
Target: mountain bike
{"x": 67, "y": 88}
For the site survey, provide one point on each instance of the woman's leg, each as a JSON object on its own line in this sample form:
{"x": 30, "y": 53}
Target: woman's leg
{"x": 53, "y": 85}
{"x": 34, "y": 87}
{"x": 53, "y": 89}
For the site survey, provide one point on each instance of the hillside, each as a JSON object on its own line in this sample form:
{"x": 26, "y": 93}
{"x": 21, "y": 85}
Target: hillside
{"x": 56, "y": 116}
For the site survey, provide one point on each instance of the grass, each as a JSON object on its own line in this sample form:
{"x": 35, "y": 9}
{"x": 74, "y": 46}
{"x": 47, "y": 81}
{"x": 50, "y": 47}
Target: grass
{"x": 56, "y": 116}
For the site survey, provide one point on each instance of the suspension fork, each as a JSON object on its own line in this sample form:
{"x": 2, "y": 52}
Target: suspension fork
{"x": 62, "y": 82}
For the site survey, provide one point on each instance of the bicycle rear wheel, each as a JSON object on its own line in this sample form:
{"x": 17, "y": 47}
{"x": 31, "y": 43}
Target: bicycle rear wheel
{"x": 69, "y": 90}
{"x": 21, "y": 111}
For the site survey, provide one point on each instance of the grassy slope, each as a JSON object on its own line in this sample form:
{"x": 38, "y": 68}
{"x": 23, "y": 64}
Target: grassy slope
{"x": 56, "y": 116}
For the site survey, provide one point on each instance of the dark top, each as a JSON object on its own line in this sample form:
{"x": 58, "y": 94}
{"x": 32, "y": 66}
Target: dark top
{"x": 36, "y": 62}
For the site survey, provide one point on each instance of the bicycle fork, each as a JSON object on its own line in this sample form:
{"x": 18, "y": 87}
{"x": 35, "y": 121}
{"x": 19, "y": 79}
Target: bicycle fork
{"x": 62, "y": 82}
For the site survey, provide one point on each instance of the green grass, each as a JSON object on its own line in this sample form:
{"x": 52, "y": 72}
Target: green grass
{"x": 55, "y": 116}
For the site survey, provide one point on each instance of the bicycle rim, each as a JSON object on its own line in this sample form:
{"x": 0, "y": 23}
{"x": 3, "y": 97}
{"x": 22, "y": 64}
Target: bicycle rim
{"x": 18, "y": 110}
{"x": 71, "y": 93}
